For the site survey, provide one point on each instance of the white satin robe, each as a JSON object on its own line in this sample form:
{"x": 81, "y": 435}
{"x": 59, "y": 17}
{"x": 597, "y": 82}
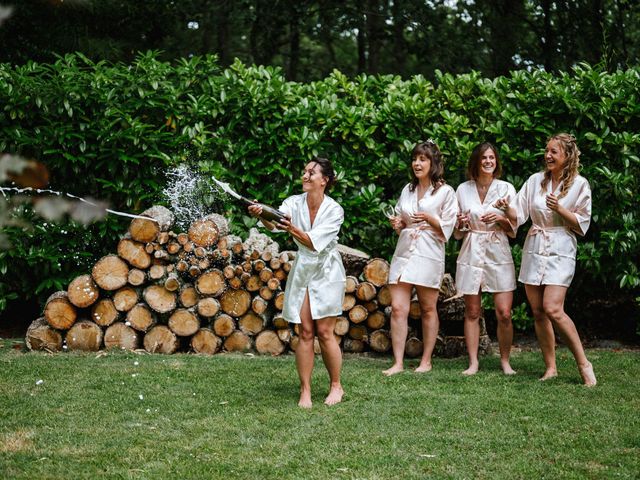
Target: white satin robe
{"x": 321, "y": 272}
{"x": 484, "y": 262}
{"x": 419, "y": 255}
{"x": 549, "y": 252}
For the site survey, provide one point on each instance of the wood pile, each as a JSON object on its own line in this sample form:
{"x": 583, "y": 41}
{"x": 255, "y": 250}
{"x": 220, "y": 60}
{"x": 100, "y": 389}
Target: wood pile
{"x": 206, "y": 291}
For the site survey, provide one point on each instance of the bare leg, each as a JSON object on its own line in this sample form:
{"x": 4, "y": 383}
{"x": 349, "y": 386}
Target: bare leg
{"x": 400, "y": 301}
{"x": 472, "y": 306}
{"x": 428, "y": 298}
{"x": 503, "y": 301}
{"x": 332, "y": 357}
{"x": 553, "y": 304}
{"x": 544, "y": 330}
{"x": 304, "y": 354}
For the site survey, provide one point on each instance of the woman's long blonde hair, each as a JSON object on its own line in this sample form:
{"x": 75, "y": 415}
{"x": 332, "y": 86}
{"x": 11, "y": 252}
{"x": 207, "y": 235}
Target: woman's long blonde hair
{"x": 570, "y": 171}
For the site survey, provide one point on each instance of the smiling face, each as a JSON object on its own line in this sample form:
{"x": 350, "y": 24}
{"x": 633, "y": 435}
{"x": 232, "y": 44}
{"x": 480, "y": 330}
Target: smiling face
{"x": 555, "y": 157}
{"x": 421, "y": 165}
{"x": 312, "y": 178}
{"x": 488, "y": 162}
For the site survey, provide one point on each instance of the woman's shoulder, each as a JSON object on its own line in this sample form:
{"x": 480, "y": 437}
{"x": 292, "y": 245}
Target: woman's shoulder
{"x": 446, "y": 189}
{"x": 536, "y": 177}
{"x": 466, "y": 185}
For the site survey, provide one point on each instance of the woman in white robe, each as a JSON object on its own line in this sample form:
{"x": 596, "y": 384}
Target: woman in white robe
{"x": 558, "y": 201}
{"x": 424, "y": 220}
{"x": 484, "y": 262}
{"x": 315, "y": 286}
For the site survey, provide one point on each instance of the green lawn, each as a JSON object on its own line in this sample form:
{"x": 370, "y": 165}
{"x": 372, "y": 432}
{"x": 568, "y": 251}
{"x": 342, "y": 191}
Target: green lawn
{"x": 124, "y": 415}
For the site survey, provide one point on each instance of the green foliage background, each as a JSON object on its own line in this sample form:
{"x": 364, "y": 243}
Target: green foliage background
{"x": 111, "y": 131}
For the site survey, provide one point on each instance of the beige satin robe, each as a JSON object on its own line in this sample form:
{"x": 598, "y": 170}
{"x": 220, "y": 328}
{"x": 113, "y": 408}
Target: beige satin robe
{"x": 419, "y": 254}
{"x": 549, "y": 252}
{"x": 321, "y": 271}
{"x": 484, "y": 262}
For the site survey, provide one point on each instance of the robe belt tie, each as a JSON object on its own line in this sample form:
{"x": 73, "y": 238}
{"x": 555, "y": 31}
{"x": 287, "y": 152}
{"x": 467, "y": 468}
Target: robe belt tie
{"x": 544, "y": 231}
{"x": 494, "y": 236}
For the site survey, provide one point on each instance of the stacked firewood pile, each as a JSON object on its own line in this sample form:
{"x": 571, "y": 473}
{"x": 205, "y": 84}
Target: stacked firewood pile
{"x": 206, "y": 291}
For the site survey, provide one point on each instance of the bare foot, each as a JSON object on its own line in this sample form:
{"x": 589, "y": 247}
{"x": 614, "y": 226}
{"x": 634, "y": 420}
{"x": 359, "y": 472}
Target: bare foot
{"x": 472, "y": 370}
{"x": 507, "y": 370}
{"x": 335, "y": 396}
{"x": 423, "y": 368}
{"x": 588, "y": 377}
{"x": 549, "y": 374}
{"x": 305, "y": 400}
{"x": 393, "y": 370}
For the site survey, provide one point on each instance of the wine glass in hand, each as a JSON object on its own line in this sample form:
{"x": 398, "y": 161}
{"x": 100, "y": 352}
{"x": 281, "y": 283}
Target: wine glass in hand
{"x": 463, "y": 220}
{"x": 502, "y": 192}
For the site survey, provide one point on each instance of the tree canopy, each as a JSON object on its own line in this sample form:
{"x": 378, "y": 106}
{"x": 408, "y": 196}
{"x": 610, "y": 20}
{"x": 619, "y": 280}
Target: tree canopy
{"x": 309, "y": 39}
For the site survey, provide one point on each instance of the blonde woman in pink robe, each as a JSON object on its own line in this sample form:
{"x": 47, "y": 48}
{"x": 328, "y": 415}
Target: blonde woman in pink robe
{"x": 484, "y": 262}
{"x": 558, "y": 201}
{"x": 424, "y": 220}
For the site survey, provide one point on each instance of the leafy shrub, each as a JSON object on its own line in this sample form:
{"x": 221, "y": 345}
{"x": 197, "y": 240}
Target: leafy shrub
{"x": 111, "y": 131}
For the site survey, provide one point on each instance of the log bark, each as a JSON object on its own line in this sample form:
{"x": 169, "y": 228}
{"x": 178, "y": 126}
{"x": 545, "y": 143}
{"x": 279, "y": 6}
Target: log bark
{"x": 83, "y": 291}
{"x": 183, "y": 322}
{"x": 235, "y": 302}
{"x": 351, "y": 284}
{"x": 278, "y": 301}
{"x": 104, "y": 312}
{"x": 141, "y": 318}
{"x": 279, "y": 321}
{"x": 268, "y": 342}
{"x": 206, "y": 342}
{"x": 237, "y": 342}
{"x": 349, "y": 302}
{"x": 59, "y": 311}
{"x": 41, "y": 336}
{"x": 352, "y": 346}
{"x": 284, "y": 334}
{"x": 110, "y": 273}
{"x": 211, "y": 283}
{"x": 358, "y": 332}
{"x": 84, "y": 335}
{"x": 376, "y": 271}
{"x": 380, "y": 341}
{"x": 160, "y": 339}
{"x": 172, "y": 282}
{"x": 354, "y": 260}
{"x": 159, "y": 299}
{"x": 125, "y": 299}
{"x": 121, "y": 336}
{"x": 447, "y": 287}
{"x": 259, "y": 305}
{"x": 224, "y": 325}
{"x": 134, "y": 253}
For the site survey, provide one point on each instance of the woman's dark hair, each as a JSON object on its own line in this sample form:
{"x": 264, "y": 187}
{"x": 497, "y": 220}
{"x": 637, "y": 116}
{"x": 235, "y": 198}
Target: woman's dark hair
{"x": 326, "y": 168}
{"x": 473, "y": 167}
{"x": 436, "y": 172}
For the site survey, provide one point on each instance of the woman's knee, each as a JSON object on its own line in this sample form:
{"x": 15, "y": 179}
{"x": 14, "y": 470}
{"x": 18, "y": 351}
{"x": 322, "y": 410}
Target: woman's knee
{"x": 554, "y": 311}
{"x": 472, "y": 314}
{"x": 325, "y": 333}
{"x": 399, "y": 310}
{"x": 503, "y": 315}
{"x": 306, "y": 334}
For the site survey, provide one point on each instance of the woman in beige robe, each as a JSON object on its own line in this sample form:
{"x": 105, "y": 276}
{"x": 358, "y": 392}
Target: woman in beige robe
{"x": 484, "y": 262}
{"x": 558, "y": 201}
{"x": 424, "y": 220}
{"x": 315, "y": 286}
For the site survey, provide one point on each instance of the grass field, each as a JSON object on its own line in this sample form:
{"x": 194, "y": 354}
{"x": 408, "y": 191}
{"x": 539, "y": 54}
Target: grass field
{"x": 125, "y": 415}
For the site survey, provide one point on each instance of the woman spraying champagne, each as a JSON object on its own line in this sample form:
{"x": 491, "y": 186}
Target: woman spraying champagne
{"x": 315, "y": 287}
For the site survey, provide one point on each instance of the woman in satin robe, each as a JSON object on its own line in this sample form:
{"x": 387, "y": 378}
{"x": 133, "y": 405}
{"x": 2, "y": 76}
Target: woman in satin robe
{"x": 558, "y": 201}
{"x": 315, "y": 286}
{"x": 424, "y": 220}
{"x": 484, "y": 262}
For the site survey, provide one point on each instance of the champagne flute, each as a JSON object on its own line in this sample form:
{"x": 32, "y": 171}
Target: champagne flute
{"x": 502, "y": 191}
{"x": 465, "y": 227}
{"x": 389, "y": 211}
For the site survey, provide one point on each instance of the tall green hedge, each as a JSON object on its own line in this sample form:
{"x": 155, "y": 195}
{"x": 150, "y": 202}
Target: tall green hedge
{"x": 111, "y": 131}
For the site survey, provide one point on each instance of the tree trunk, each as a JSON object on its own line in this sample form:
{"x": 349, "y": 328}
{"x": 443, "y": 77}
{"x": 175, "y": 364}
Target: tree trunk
{"x": 224, "y": 325}
{"x": 235, "y": 302}
{"x": 134, "y": 253}
{"x": 159, "y": 299}
{"x": 183, "y": 322}
{"x": 380, "y": 341}
{"x": 104, "y": 312}
{"x": 205, "y": 341}
{"x": 376, "y": 271}
{"x": 206, "y": 231}
{"x": 125, "y": 299}
{"x": 237, "y": 342}
{"x": 208, "y": 307}
{"x": 140, "y": 318}
{"x": 268, "y": 342}
{"x": 160, "y": 339}
{"x": 211, "y": 283}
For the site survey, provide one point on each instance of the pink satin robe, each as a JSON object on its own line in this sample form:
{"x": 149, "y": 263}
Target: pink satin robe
{"x": 549, "y": 252}
{"x": 484, "y": 262}
{"x": 419, "y": 255}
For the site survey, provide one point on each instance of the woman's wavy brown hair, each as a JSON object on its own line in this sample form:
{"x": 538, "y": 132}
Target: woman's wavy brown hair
{"x": 436, "y": 172}
{"x": 473, "y": 167}
{"x": 570, "y": 171}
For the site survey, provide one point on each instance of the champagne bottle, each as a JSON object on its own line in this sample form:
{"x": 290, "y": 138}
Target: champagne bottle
{"x": 269, "y": 214}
